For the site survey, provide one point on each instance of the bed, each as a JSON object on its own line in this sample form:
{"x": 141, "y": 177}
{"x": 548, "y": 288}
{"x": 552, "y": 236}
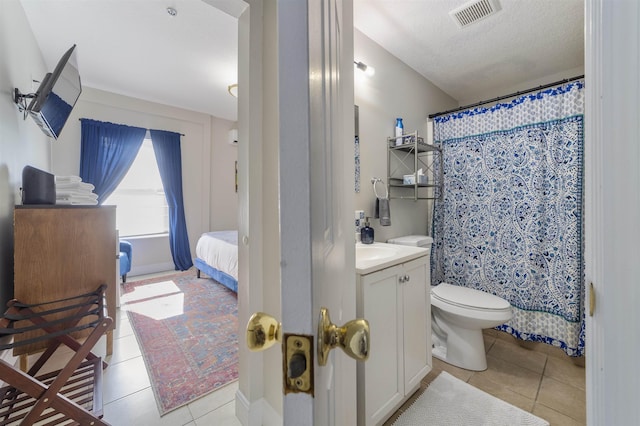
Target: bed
{"x": 217, "y": 256}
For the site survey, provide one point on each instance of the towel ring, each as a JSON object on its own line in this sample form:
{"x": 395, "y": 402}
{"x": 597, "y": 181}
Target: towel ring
{"x": 375, "y": 191}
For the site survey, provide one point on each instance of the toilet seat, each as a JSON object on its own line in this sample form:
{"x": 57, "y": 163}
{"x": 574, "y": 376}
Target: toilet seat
{"x": 469, "y": 298}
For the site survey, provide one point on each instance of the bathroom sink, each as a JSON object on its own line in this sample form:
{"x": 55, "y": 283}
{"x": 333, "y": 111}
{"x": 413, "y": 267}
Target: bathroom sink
{"x": 377, "y": 256}
{"x": 374, "y": 252}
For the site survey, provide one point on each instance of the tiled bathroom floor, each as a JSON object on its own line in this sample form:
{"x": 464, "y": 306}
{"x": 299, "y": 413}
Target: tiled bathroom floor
{"x": 536, "y": 377}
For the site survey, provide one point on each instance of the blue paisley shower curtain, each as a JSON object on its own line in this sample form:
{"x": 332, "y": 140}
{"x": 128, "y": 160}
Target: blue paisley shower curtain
{"x": 510, "y": 219}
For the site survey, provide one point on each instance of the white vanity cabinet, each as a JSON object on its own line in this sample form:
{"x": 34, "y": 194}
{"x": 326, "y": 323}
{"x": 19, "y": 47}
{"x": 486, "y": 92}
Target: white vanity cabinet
{"x": 396, "y": 302}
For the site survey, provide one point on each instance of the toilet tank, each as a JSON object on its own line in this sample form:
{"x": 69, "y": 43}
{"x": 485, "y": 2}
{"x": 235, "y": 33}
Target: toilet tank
{"x": 413, "y": 240}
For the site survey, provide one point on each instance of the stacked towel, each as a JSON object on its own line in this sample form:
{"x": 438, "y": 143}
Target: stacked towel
{"x": 71, "y": 190}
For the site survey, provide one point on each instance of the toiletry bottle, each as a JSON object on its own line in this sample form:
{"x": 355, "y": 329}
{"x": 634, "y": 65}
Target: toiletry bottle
{"x": 399, "y": 131}
{"x": 366, "y": 233}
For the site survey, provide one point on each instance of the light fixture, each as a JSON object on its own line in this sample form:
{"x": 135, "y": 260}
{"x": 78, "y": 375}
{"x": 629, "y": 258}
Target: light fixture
{"x": 233, "y": 90}
{"x": 171, "y": 11}
{"x": 367, "y": 69}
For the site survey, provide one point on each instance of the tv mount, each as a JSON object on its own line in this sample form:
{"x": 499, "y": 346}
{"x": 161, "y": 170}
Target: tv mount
{"x": 20, "y": 100}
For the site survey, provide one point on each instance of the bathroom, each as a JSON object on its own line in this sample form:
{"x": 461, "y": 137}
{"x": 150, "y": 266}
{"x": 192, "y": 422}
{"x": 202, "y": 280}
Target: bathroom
{"x": 394, "y": 91}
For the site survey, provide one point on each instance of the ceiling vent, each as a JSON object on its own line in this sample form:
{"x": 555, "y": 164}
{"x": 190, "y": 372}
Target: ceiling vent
{"x": 474, "y": 11}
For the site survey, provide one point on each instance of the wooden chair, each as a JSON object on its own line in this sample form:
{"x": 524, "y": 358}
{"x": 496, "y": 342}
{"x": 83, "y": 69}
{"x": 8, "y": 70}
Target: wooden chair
{"x": 72, "y": 395}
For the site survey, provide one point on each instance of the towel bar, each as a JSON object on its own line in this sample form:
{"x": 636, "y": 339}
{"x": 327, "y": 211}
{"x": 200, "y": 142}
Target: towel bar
{"x": 375, "y": 180}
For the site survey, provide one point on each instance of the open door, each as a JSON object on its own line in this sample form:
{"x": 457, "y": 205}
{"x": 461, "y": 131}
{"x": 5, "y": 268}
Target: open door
{"x": 315, "y": 51}
{"x": 305, "y": 90}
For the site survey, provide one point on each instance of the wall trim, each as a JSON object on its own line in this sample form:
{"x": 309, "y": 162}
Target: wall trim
{"x": 260, "y": 413}
{"x": 151, "y": 269}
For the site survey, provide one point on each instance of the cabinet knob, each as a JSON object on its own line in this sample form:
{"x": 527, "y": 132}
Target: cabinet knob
{"x": 407, "y": 278}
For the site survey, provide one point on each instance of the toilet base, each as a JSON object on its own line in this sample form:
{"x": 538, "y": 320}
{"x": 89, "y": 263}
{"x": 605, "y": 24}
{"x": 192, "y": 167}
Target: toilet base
{"x": 464, "y": 349}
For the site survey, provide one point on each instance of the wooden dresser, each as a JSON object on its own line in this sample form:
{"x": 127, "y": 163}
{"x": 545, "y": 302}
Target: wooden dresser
{"x": 63, "y": 251}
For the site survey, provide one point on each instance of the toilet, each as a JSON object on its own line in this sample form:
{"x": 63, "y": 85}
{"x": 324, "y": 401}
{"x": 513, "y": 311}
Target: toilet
{"x": 458, "y": 316}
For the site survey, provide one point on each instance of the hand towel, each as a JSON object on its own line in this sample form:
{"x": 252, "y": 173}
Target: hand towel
{"x": 383, "y": 211}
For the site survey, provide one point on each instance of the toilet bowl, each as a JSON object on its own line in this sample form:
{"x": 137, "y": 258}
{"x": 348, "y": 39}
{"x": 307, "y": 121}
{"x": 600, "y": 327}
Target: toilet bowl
{"x": 458, "y": 316}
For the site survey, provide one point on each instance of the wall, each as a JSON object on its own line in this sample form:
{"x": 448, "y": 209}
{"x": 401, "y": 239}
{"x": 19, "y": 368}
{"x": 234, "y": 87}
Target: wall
{"x": 21, "y": 141}
{"x": 395, "y": 90}
{"x": 208, "y": 165}
{"x": 573, "y": 72}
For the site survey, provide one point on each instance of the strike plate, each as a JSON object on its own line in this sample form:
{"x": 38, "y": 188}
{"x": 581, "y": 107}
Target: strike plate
{"x": 298, "y": 364}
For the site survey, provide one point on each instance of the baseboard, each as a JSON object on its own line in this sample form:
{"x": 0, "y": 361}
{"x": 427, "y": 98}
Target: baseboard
{"x": 151, "y": 269}
{"x": 269, "y": 416}
{"x": 260, "y": 413}
{"x": 242, "y": 408}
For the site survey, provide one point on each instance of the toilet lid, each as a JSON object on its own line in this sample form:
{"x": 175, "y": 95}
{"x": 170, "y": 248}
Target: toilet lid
{"x": 468, "y": 297}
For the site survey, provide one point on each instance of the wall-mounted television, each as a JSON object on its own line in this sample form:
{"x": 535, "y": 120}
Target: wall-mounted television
{"x": 56, "y": 96}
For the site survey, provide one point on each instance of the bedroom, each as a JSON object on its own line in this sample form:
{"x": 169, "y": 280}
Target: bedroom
{"x": 14, "y": 130}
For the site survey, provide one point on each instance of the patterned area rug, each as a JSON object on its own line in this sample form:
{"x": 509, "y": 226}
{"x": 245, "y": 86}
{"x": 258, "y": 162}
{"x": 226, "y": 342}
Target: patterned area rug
{"x": 187, "y": 331}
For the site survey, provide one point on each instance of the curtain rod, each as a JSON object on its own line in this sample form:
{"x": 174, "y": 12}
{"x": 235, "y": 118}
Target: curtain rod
{"x": 499, "y": 98}
{"x": 181, "y": 134}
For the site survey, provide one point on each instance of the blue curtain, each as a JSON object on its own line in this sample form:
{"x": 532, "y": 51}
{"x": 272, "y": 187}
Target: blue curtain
{"x": 107, "y": 151}
{"x": 166, "y": 146}
{"x": 509, "y": 221}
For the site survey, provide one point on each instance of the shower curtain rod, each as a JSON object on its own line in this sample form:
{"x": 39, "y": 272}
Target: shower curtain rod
{"x": 534, "y": 89}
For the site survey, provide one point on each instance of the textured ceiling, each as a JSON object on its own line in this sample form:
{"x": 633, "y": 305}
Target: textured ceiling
{"x": 524, "y": 41}
{"x": 135, "y": 48}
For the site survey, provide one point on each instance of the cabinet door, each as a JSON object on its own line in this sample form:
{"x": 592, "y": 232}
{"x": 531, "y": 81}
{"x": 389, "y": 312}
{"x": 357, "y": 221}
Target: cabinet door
{"x": 380, "y": 386}
{"x": 416, "y": 321}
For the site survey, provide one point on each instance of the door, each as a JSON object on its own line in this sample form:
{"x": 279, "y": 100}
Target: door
{"x": 612, "y": 209}
{"x": 295, "y": 122}
{"x": 315, "y": 90}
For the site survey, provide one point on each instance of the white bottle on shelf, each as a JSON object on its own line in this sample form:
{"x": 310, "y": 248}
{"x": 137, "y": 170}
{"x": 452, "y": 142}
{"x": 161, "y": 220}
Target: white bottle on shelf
{"x": 399, "y": 131}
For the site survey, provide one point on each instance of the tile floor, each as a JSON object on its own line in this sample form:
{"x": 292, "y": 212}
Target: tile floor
{"x": 129, "y": 399}
{"x": 536, "y": 377}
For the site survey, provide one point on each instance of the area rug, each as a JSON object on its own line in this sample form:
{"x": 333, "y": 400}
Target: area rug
{"x": 451, "y": 402}
{"x": 187, "y": 331}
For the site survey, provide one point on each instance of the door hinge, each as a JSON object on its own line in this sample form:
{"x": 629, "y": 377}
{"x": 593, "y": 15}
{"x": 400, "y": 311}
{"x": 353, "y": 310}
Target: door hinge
{"x": 592, "y": 299}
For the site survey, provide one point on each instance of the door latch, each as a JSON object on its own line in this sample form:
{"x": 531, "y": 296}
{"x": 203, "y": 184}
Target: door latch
{"x": 298, "y": 364}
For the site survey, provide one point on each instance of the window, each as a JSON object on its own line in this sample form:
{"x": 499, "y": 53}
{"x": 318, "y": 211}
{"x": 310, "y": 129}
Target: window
{"x": 142, "y": 206}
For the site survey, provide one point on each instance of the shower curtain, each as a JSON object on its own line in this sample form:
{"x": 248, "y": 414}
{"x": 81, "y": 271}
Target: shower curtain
{"x": 510, "y": 221}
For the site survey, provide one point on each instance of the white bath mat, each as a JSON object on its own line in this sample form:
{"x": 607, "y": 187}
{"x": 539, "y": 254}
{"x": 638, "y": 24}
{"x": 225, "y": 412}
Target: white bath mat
{"x": 451, "y": 402}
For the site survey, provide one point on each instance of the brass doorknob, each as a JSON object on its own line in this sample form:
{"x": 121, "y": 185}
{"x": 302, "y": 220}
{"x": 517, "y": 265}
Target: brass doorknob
{"x": 263, "y": 331}
{"x": 353, "y": 338}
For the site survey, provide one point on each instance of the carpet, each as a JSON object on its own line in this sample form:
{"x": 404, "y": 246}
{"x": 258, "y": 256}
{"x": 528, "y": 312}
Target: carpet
{"x": 451, "y": 402}
{"x": 187, "y": 329}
